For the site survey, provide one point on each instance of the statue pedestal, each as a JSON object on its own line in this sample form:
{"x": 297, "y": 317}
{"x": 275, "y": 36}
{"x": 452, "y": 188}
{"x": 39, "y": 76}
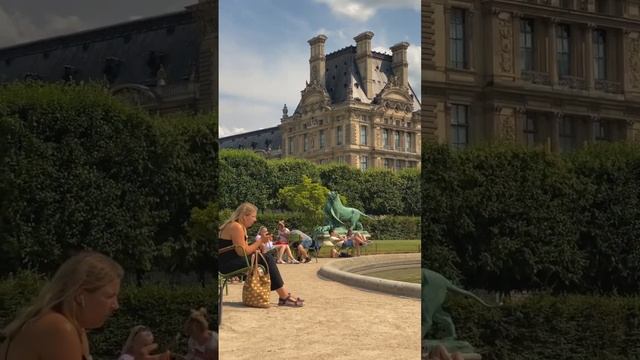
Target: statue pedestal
{"x": 464, "y": 348}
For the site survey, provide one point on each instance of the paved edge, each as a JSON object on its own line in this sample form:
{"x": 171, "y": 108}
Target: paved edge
{"x": 342, "y": 271}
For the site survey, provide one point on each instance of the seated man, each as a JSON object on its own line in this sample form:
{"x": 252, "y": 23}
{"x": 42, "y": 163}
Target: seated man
{"x": 302, "y": 246}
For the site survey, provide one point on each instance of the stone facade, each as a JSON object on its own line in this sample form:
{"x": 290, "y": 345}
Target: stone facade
{"x": 358, "y": 108}
{"x": 165, "y": 64}
{"x": 544, "y": 73}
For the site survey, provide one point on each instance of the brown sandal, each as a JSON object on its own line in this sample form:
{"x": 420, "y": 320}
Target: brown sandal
{"x": 289, "y": 301}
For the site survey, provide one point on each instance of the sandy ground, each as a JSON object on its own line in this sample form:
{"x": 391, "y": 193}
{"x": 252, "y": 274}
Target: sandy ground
{"x": 337, "y": 322}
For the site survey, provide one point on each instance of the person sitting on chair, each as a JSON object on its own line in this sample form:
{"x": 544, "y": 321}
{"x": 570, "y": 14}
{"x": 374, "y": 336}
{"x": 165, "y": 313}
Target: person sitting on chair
{"x": 302, "y": 246}
{"x": 355, "y": 240}
{"x": 337, "y": 240}
{"x": 233, "y": 233}
{"x": 280, "y": 248}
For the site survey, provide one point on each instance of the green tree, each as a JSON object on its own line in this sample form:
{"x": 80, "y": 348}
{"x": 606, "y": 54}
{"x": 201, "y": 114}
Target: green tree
{"x": 307, "y": 197}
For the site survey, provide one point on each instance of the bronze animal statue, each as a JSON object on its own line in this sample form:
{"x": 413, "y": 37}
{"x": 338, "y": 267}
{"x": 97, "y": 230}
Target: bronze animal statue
{"x": 435, "y": 288}
{"x": 336, "y": 214}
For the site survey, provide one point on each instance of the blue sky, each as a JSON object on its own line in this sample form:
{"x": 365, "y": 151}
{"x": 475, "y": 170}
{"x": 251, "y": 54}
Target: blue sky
{"x": 264, "y": 54}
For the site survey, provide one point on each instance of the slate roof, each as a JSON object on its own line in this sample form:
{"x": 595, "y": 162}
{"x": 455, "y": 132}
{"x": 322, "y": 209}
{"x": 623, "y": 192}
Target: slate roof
{"x": 130, "y": 52}
{"x": 244, "y": 140}
{"x": 342, "y": 74}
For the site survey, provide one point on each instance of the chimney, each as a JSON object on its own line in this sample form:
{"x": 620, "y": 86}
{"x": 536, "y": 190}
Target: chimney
{"x": 364, "y": 60}
{"x": 317, "y": 60}
{"x": 400, "y": 64}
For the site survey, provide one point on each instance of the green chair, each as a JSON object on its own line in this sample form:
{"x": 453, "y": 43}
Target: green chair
{"x": 223, "y": 278}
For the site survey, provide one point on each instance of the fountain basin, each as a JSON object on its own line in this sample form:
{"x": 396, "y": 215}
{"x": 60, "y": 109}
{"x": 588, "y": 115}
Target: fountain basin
{"x": 353, "y": 272}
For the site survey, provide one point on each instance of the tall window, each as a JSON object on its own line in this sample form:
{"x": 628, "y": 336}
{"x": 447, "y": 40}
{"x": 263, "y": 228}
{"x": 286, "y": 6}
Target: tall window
{"x": 567, "y": 134}
{"x": 339, "y": 135}
{"x": 322, "y": 139}
{"x": 305, "y": 145}
{"x": 599, "y": 54}
{"x": 599, "y": 132}
{"x": 526, "y": 44}
{"x": 457, "y": 39}
{"x": 563, "y": 40}
{"x": 396, "y": 135}
{"x": 566, "y": 4}
{"x": 388, "y": 163}
{"x": 363, "y": 135}
{"x": 407, "y": 142}
{"x": 290, "y": 145}
{"x": 399, "y": 164}
{"x": 530, "y": 130}
{"x": 459, "y": 126}
{"x": 364, "y": 162}
{"x": 602, "y": 6}
{"x": 385, "y": 138}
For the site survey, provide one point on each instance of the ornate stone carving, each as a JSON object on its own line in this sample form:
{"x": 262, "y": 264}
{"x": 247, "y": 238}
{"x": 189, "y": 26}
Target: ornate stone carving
{"x": 508, "y": 123}
{"x": 505, "y": 42}
{"x": 583, "y": 5}
{"x": 633, "y": 56}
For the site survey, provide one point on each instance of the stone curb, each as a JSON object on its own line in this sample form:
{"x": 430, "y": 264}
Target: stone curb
{"x": 344, "y": 271}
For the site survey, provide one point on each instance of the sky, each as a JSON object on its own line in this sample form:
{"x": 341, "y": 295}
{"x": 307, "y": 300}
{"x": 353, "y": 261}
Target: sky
{"x": 264, "y": 54}
{"x": 27, "y": 20}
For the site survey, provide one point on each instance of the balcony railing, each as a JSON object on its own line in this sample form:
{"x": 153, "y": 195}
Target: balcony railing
{"x": 572, "y": 82}
{"x": 613, "y": 87}
{"x": 536, "y": 77}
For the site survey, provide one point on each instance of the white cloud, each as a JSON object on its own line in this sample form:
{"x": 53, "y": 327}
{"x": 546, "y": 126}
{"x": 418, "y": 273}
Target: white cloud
{"x": 223, "y": 131}
{"x": 363, "y": 10}
{"x": 255, "y": 83}
{"x": 16, "y": 28}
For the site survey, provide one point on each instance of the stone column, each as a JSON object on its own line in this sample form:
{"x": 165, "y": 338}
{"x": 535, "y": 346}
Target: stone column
{"x": 555, "y": 130}
{"x": 553, "y": 62}
{"x": 588, "y": 56}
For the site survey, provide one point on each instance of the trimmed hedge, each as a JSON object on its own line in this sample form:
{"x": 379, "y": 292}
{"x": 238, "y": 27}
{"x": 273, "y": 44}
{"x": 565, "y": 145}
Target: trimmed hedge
{"x": 79, "y": 169}
{"x": 381, "y": 228}
{"x": 508, "y": 218}
{"x": 162, "y": 308}
{"x": 248, "y": 176}
{"x": 549, "y": 327}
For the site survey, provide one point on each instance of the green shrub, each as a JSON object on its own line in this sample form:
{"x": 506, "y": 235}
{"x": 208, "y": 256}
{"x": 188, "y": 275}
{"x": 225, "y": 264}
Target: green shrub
{"x": 79, "y": 169}
{"x": 549, "y": 327}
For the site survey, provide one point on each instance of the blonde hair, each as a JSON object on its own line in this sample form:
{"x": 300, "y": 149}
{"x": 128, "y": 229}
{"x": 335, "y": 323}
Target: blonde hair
{"x": 197, "y": 318}
{"x": 262, "y": 228}
{"x": 87, "y": 270}
{"x": 135, "y": 331}
{"x": 244, "y": 209}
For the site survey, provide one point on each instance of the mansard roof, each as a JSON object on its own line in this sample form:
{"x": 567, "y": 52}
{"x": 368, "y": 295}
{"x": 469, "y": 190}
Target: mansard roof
{"x": 129, "y": 52}
{"x": 342, "y": 76}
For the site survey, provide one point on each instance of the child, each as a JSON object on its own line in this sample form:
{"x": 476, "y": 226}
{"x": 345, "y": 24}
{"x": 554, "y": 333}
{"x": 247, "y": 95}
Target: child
{"x": 139, "y": 337}
{"x": 202, "y": 343}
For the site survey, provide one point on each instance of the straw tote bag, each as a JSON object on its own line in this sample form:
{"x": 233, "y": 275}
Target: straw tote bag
{"x": 257, "y": 286}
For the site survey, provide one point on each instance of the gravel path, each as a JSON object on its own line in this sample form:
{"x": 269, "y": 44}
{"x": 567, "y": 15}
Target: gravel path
{"x": 337, "y": 322}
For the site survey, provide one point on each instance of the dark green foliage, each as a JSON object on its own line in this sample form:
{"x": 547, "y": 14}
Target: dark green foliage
{"x": 550, "y": 327}
{"x": 517, "y": 219}
{"x": 80, "y": 170}
{"x": 391, "y": 227}
{"x": 162, "y": 308}
{"x": 247, "y": 176}
{"x": 381, "y": 228}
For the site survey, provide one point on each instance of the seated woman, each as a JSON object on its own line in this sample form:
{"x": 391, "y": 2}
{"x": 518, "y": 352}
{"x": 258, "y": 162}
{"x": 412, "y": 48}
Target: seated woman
{"x": 139, "y": 337}
{"x": 82, "y": 294}
{"x": 202, "y": 343}
{"x": 355, "y": 240}
{"x": 337, "y": 241}
{"x": 233, "y": 232}
{"x": 280, "y": 248}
